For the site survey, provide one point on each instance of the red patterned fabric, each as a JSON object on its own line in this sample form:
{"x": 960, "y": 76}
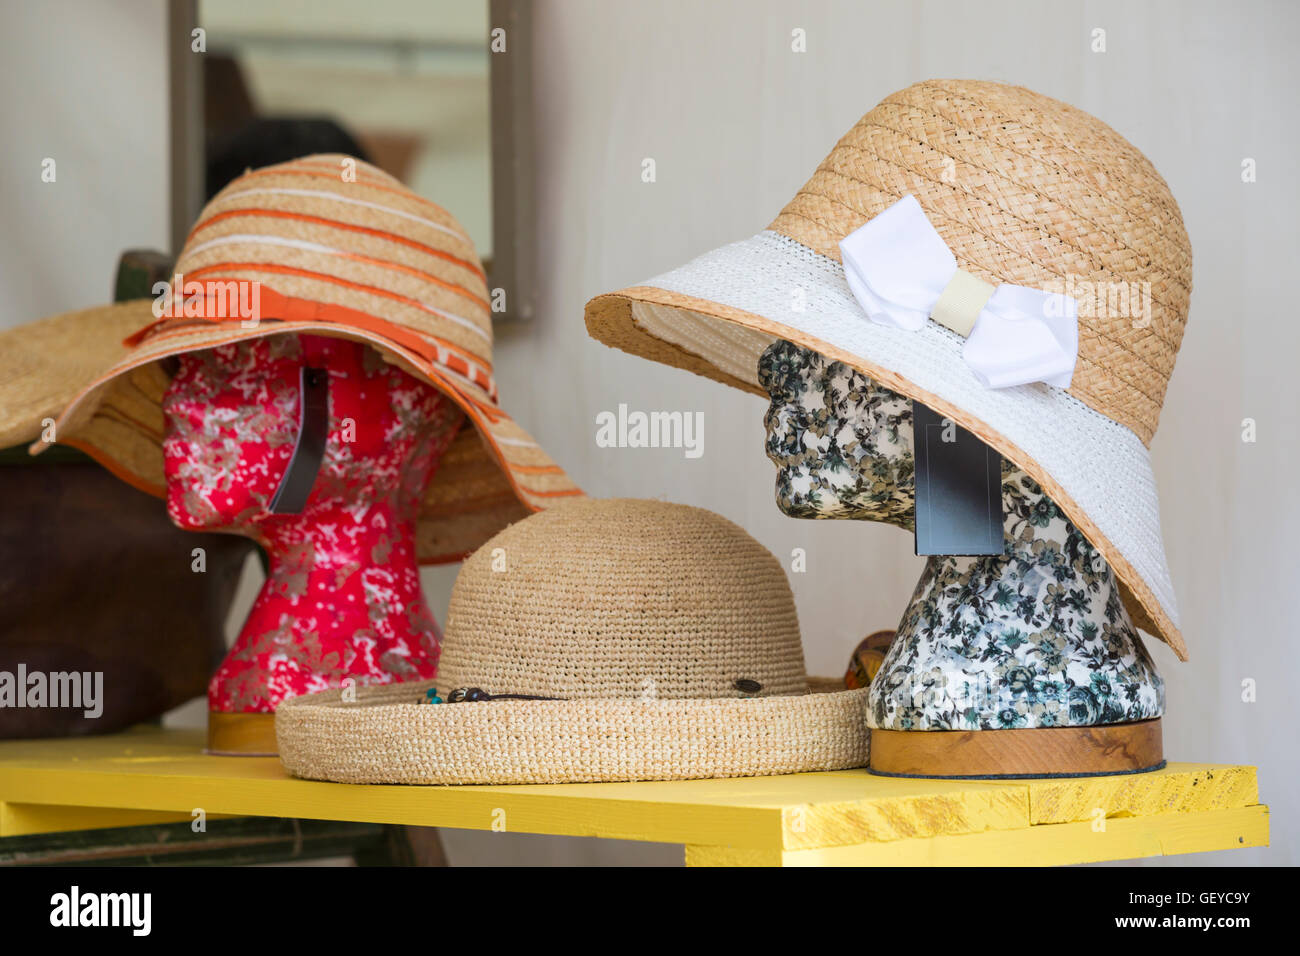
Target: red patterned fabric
{"x": 343, "y": 598}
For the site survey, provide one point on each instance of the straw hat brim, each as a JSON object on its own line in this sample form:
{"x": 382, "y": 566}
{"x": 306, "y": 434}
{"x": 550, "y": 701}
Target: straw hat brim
{"x": 44, "y": 364}
{"x": 716, "y": 315}
{"x": 386, "y": 736}
{"x": 109, "y": 397}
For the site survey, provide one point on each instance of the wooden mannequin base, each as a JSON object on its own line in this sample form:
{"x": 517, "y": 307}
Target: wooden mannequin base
{"x": 1041, "y": 752}
{"x": 241, "y": 735}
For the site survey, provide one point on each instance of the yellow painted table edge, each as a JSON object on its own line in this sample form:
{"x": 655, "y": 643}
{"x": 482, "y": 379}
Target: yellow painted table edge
{"x": 1053, "y": 844}
{"x": 158, "y": 776}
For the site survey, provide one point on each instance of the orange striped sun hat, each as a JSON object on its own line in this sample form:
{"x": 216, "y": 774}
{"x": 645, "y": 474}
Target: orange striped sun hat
{"x": 327, "y": 245}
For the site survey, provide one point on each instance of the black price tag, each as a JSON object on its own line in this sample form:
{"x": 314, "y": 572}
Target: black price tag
{"x": 958, "y": 488}
{"x": 313, "y": 429}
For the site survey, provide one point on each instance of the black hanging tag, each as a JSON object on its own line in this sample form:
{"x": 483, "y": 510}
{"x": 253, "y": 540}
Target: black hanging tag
{"x": 958, "y": 488}
{"x": 313, "y": 429}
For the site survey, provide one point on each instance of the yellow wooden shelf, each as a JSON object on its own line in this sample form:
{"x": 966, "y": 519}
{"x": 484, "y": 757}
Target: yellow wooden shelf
{"x": 844, "y": 818}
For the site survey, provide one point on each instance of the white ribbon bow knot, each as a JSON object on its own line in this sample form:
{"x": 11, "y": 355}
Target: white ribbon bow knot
{"x": 903, "y": 274}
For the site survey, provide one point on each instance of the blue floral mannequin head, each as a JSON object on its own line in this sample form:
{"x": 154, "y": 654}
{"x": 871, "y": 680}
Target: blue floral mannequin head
{"x": 841, "y": 443}
{"x": 1034, "y": 637}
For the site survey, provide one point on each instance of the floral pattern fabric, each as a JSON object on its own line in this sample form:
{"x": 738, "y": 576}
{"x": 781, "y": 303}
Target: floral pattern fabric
{"x": 342, "y": 599}
{"x": 1035, "y": 637}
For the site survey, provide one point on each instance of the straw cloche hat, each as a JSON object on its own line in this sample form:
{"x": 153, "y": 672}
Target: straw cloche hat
{"x": 334, "y": 247}
{"x": 601, "y": 640}
{"x": 1023, "y": 190}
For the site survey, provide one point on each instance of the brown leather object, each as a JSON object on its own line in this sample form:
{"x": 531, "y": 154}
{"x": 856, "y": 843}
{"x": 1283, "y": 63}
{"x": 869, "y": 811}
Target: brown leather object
{"x": 94, "y": 577}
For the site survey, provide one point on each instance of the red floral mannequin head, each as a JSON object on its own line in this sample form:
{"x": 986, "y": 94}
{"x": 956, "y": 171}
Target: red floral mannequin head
{"x": 343, "y": 597}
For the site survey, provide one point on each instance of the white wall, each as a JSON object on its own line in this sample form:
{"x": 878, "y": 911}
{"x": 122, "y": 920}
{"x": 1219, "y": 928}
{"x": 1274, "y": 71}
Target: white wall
{"x": 736, "y": 122}
{"x": 86, "y": 85}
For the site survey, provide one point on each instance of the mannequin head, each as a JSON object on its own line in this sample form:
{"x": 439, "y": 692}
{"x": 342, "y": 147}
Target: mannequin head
{"x": 232, "y": 423}
{"x": 1036, "y": 636}
{"x": 841, "y": 443}
{"x": 342, "y": 597}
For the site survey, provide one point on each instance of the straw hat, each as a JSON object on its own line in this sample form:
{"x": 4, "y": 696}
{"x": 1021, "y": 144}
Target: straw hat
{"x": 333, "y": 246}
{"x": 661, "y": 640}
{"x": 1024, "y": 190}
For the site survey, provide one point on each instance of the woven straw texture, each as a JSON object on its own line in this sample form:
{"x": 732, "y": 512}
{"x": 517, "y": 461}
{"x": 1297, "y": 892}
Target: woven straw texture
{"x": 1024, "y": 189}
{"x": 336, "y": 247}
{"x": 1028, "y": 190}
{"x": 40, "y": 374}
{"x": 642, "y": 616}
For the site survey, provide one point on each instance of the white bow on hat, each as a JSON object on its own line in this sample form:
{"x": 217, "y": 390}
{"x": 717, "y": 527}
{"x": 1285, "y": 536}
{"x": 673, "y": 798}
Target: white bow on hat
{"x": 903, "y": 274}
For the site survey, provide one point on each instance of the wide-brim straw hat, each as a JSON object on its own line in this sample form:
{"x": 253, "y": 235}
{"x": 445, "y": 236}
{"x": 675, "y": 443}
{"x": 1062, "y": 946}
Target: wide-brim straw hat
{"x": 337, "y": 248}
{"x": 664, "y": 637}
{"x": 1023, "y": 189}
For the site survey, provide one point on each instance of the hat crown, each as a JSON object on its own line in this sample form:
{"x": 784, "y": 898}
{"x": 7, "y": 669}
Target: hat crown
{"x": 335, "y": 230}
{"x": 1026, "y": 190}
{"x": 623, "y": 599}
